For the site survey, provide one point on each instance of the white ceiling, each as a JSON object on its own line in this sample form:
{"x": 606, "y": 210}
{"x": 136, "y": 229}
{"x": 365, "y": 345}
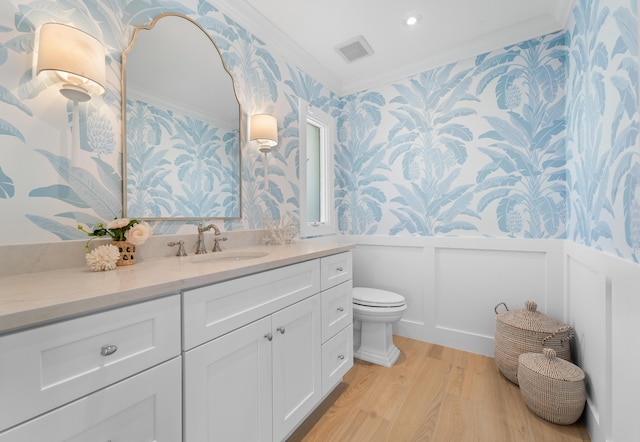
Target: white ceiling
{"x": 307, "y": 32}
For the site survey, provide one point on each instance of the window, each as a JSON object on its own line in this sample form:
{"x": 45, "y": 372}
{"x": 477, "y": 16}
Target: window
{"x": 316, "y": 172}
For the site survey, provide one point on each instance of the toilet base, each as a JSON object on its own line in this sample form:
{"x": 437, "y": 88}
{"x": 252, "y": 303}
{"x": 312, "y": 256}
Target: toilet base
{"x": 376, "y": 344}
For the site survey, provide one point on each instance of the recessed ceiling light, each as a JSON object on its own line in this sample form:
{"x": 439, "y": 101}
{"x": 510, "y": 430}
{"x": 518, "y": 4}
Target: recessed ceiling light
{"x": 412, "y": 20}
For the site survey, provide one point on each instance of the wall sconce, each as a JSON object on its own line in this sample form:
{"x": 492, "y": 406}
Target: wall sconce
{"x": 263, "y": 128}
{"x": 77, "y": 59}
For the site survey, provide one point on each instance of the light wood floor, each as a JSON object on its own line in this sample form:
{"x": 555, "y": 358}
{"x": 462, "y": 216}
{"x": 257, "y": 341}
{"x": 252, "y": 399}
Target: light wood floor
{"x": 432, "y": 393}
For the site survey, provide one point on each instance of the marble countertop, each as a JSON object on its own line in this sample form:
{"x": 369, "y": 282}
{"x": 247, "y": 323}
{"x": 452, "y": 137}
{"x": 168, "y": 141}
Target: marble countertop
{"x": 32, "y": 299}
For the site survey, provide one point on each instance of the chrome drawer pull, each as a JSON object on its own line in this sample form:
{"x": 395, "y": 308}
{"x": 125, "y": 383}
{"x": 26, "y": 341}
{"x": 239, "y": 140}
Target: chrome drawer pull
{"x": 340, "y": 269}
{"x": 269, "y": 336}
{"x": 281, "y": 330}
{"x": 107, "y": 350}
{"x": 340, "y": 309}
{"x": 341, "y": 357}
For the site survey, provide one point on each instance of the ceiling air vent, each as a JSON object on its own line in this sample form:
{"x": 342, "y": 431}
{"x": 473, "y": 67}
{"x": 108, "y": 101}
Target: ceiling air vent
{"x": 354, "y": 49}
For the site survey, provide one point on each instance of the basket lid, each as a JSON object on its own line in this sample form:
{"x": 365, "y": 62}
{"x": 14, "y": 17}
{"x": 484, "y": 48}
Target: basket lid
{"x": 547, "y": 364}
{"x": 531, "y": 319}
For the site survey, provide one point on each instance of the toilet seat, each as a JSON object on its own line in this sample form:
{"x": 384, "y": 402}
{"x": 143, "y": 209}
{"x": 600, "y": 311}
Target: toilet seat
{"x": 376, "y": 298}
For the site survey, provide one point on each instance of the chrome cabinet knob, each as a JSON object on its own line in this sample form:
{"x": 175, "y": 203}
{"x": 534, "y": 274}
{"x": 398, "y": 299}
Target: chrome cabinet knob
{"x": 340, "y": 309}
{"x": 341, "y": 357}
{"x": 281, "y": 330}
{"x": 269, "y": 336}
{"x": 340, "y": 269}
{"x": 107, "y": 350}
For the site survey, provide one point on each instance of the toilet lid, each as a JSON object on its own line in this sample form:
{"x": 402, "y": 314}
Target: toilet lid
{"x": 376, "y": 298}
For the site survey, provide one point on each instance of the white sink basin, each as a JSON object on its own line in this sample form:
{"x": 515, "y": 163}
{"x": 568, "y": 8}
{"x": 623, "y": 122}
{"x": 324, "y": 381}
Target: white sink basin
{"x": 227, "y": 255}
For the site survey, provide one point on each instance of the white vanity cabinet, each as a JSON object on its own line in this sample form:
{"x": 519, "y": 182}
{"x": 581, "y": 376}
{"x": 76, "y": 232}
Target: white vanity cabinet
{"x": 245, "y": 358}
{"x": 100, "y": 367}
{"x": 256, "y": 383}
{"x": 263, "y": 350}
{"x": 259, "y": 375}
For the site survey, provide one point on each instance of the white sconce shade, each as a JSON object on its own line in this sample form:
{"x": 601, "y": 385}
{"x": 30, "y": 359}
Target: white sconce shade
{"x": 263, "y": 128}
{"x": 73, "y": 55}
{"x": 78, "y": 59}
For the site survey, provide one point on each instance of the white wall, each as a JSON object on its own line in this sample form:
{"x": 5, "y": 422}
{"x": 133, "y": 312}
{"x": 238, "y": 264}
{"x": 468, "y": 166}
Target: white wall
{"x": 453, "y": 284}
{"x": 603, "y": 305}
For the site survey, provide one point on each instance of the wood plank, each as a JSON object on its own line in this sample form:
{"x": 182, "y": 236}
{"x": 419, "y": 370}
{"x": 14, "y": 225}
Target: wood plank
{"x": 432, "y": 393}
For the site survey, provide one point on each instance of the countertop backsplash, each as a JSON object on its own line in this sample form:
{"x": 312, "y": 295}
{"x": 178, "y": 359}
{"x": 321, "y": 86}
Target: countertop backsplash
{"x": 42, "y": 257}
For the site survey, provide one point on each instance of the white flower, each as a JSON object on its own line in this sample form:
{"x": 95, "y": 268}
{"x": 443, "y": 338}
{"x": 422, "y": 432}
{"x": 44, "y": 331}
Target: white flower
{"x": 103, "y": 258}
{"x": 118, "y": 223}
{"x": 139, "y": 233}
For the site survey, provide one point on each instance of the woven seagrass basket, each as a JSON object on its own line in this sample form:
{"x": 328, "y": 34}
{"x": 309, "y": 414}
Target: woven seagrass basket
{"x": 552, "y": 388}
{"x": 527, "y": 331}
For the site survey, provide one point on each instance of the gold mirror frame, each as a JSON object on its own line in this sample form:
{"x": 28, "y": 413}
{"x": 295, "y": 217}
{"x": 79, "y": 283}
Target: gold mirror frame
{"x": 123, "y": 85}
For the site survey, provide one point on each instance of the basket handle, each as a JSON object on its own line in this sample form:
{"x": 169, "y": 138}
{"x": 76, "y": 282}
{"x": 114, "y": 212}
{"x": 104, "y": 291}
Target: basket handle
{"x": 495, "y": 309}
{"x": 560, "y": 330}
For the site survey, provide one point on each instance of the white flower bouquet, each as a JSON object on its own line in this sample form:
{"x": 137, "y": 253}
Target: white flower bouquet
{"x": 120, "y": 229}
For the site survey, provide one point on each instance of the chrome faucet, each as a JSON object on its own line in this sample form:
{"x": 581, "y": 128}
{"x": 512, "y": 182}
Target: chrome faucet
{"x": 201, "y": 248}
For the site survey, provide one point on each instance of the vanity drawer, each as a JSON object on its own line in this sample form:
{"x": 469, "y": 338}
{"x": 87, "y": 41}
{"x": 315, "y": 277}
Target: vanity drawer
{"x": 45, "y": 367}
{"x": 336, "y": 269}
{"x": 211, "y": 311}
{"x": 145, "y": 407}
{"x": 337, "y": 309}
{"x": 337, "y": 358}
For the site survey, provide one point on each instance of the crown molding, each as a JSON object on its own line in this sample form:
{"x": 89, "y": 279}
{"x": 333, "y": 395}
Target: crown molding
{"x": 562, "y": 11}
{"x": 249, "y": 18}
{"x": 523, "y": 31}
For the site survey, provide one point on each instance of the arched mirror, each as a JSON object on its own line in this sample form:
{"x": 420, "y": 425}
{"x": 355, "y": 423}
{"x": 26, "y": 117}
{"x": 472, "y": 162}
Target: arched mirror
{"x": 181, "y": 125}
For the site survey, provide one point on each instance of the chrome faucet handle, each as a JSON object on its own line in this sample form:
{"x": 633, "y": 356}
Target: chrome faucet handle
{"x": 216, "y": 243}
{"x": 180, "y": 244}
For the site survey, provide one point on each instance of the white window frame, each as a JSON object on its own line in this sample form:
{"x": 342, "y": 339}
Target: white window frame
{"x": 326, "y": 124}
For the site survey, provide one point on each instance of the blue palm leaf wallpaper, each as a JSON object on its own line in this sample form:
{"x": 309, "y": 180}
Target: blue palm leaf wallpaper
{"x": 603, "y": 158}
{"x": 179, "y": 166}
{"x": 536, "y": 140}
{"x": 476, "y": 147}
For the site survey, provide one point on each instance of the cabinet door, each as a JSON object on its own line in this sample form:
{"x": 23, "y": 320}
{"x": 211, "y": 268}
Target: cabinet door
{"x": 227, "y": 387}
{"x": 145, "y": 407}
{"x": 297, "y": 367}
{"x": 46, "y": 367}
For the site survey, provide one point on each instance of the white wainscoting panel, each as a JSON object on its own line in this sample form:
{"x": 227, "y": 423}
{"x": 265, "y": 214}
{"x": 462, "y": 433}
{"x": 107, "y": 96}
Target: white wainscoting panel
{"x": 400, "y": 269}
{"x": 471, "y": 282}
{"x": 603, "y": 305}
{"x": 589, "y": 299}
{"x": 452, "y": 285}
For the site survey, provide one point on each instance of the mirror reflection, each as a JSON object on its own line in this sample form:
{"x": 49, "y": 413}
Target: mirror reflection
{"x": 182, "y": 125}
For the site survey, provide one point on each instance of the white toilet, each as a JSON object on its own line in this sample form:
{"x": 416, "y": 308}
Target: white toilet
{"x": 377, "y": 310}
